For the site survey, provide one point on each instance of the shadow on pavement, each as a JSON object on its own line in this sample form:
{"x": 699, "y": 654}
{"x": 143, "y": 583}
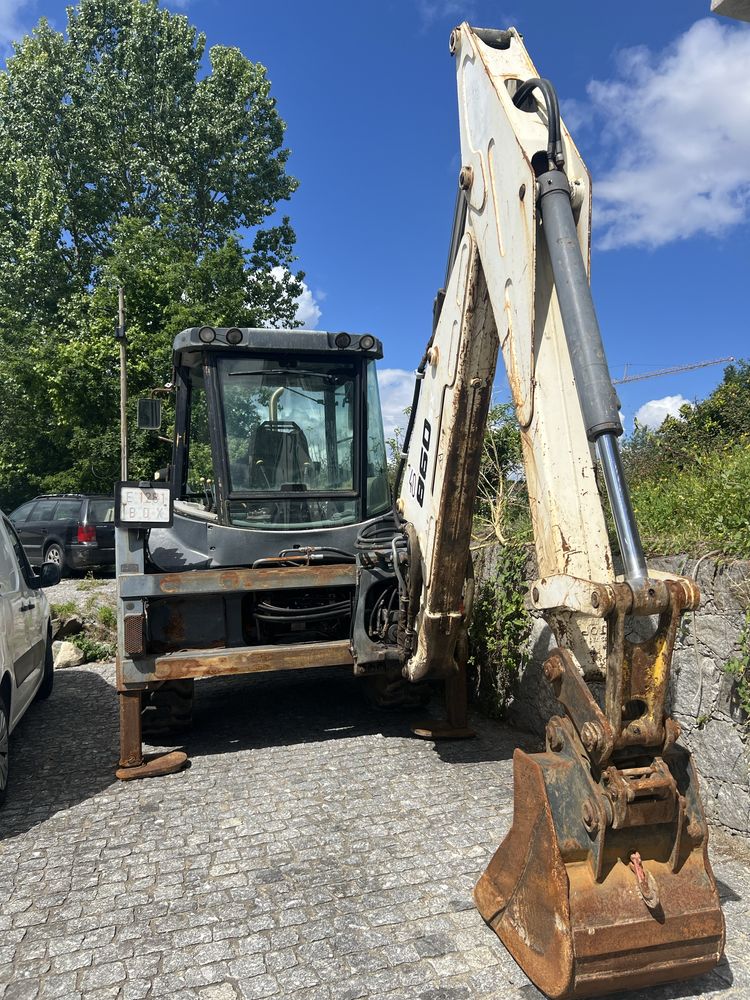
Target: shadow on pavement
{"x": 247, "y": 712}
{"x": 62, "y": 752}
{"x": 277, "y": 709}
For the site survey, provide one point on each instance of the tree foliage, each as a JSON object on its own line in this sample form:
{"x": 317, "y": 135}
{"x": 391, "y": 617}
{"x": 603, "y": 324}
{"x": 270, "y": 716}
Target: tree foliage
{"x": 501, "y": 508}
{"x": 689, "y": 478}
{"x": 124, "y": 158}
{"x": 720, "y": 421}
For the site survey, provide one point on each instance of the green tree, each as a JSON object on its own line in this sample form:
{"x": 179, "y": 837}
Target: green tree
{"x": 121, "y": 161}
{"x": 689, "y": 477}
{"x": 501, "y": 508}
{"x": 720, "y": 421}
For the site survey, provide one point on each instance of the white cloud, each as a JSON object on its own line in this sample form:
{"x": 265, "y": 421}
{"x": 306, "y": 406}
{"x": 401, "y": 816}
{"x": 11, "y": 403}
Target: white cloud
{"x": 675, "y": 126}
{"x": 396, "y": 393}
{"x": 435, "y": 10}
{"x": 308, "y": 311}
{"x": 654, "y": 413}
{"x": 11, "y": 29}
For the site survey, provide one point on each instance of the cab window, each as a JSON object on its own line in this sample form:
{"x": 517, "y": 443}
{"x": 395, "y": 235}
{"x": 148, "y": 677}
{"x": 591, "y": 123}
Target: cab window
{"x": 21, "y": 556}
{"x": 8, "y": 567}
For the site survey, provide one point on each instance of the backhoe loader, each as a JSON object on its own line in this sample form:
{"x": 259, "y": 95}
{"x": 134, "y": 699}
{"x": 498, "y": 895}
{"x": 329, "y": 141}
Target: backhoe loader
{"x": 271, "y": 544}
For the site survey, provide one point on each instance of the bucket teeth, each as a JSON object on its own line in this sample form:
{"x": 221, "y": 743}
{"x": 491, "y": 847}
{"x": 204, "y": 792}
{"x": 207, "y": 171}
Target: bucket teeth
{"x": 578, "y": 936}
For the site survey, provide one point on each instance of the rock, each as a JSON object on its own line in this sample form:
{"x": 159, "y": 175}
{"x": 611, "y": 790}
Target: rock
{"x": 720, "y": 754}
{"x": 694, "y": 686}
{"x": 534, "y": 702}
{"x": 733, "y": 807}
{"x": 68, "y": 626}
{"x": 67, "y": 655}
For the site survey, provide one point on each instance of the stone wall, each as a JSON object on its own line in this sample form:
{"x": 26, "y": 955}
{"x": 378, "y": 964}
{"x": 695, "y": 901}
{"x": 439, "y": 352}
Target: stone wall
{"x": 702, "y": 696}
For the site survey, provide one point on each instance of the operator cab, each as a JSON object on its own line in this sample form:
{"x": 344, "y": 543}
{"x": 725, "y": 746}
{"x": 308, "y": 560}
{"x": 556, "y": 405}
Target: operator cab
{"x": 278, "y": 430}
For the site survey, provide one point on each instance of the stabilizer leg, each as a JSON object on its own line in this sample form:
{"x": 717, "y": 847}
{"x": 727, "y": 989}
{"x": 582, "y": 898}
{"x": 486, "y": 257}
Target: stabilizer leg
{"x": 133, "y": 764}
{"x": 455, "y": 725}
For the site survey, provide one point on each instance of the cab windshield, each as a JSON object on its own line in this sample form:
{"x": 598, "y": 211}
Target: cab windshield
{"x": 289, "y": 427}
{"x": 304, "y": 442}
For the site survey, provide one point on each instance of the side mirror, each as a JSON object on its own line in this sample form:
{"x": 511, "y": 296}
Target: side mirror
{"x": 149, "y": 414}
{"x": 49, "y": 574}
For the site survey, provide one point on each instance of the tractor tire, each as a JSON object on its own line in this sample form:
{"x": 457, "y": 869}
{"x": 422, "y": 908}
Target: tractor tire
{"x": 392, "y": 691}
{"x": 167, "y": 709}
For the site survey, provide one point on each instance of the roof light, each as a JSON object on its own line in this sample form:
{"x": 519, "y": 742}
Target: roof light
{"x": 234, "y": 336}
{"x": 206, "y": 334}
{"x": 367, "y": 342}
{"x": 342, "y": 340}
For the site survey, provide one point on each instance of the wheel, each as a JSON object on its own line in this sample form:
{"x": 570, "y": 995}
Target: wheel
{"x": 391, "y": 690}
{"x": 56, "y": 554}
{"x": 167, "y": 708}
{"x": 4, "y": 748}
{"x": 48, "y": 677}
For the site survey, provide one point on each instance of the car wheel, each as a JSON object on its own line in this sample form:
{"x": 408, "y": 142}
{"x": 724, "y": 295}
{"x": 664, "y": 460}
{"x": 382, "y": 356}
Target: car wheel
{"x": 4, "y": 748}
{"x": 48, "y": 677}
{"x": 56, "y": 554}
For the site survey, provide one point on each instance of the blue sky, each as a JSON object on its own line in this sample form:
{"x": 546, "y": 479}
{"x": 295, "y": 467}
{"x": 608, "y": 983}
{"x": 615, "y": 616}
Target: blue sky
{"x": 656, "y": 96}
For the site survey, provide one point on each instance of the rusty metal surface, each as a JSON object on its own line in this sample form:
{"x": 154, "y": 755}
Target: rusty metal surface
{"x": 575, "y": 696}
{"x": 523, "y": 894}
{"x": 154, "y": 766}
{"x": 638, "y": 673}
{"x": 131, "y": 753}
{"x": 253, "y": 659}
{"x": 222, "y": 581}
{"x": 453, "y": 406}
{"x": 577, "y": 932}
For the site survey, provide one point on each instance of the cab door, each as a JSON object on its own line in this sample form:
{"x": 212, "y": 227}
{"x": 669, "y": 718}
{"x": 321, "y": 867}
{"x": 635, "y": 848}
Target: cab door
{"x": 33, "y": 605}
{"x": 13, "y": 596}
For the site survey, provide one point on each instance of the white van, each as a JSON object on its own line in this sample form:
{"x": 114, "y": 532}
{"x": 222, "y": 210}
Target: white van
{"x": 26, "y": 668}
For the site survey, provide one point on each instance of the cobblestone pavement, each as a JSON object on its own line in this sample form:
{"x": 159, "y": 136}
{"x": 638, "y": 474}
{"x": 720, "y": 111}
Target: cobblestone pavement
{"x": 313, "y": 850}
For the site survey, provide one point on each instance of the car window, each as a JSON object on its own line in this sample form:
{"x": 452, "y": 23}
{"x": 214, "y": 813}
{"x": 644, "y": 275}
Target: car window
{"x": 8, "y": 567}
{"x": 22, "y": 513}
{"x": 66, "y": 509}
{"x": 43, "y": 510}
{"x": 21, "y": 556}
{"x": 101, "y": 511}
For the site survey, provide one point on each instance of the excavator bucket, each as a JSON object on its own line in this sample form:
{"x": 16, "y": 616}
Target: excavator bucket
{"x": 586, "y": 909}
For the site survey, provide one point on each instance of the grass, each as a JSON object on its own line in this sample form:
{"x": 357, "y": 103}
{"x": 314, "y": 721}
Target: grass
{"x": 90, "y": 582}
{"x": 97, "y": 640}
{"x": 698, "y": 509}
{"x": 66, "y": 609}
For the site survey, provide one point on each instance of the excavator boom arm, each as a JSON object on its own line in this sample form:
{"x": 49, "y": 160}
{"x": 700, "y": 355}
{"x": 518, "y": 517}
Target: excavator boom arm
{"x": 611, "y": 808}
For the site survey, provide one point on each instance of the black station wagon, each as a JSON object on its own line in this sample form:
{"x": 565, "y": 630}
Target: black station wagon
{"x": 74, "y": 531}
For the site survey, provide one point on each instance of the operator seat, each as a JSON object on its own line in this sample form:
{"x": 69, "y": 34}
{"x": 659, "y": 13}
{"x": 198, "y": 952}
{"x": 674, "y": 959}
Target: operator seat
{"x": 279, "y": 454}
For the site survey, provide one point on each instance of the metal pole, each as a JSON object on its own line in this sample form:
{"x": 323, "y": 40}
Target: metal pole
{"x": 123, "y": 385}
{"x": 596, "y": 393}
{"x": 634, "y": 561}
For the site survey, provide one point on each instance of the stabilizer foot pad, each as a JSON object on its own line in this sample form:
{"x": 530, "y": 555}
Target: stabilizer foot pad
{"x": 154, "y": 766}
{"x": 441, "y": 729}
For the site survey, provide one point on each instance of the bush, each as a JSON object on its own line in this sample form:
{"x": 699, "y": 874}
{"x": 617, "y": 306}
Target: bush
{"x": 701, "y": 507}
{"x": 107, "y": 616}
{"x": 499, "y": 631}
{"x": 64, "y": 610}
{"x": 92, "y": 649}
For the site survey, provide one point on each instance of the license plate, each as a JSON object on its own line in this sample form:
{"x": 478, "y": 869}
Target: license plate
{"x": 143, "y": 506}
